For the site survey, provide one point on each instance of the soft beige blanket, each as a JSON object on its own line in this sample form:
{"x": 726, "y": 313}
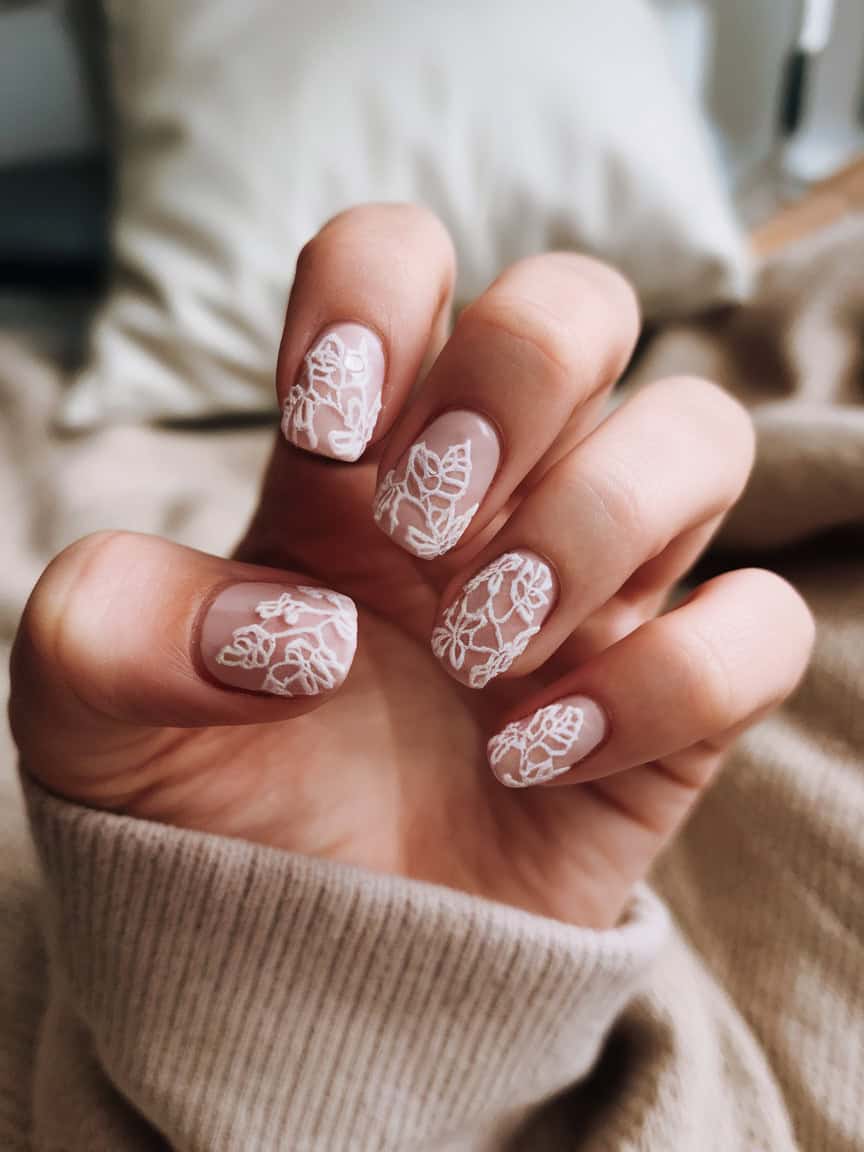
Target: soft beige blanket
{"x": 753, "y": 1028}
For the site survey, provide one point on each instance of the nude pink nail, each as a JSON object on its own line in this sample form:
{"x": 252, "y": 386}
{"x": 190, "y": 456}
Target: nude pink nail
{"x": 500, "y": 609}
{"x": 334, "y": 403}
{"x": 548, "y": 742}
{"x": 428, "y": 500}
{"x": 281, "y": 639}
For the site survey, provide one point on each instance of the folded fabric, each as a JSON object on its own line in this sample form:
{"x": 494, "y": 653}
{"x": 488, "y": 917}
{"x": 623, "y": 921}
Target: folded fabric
{"x": 237, "y": 997}
{"x": 242, "y": 128}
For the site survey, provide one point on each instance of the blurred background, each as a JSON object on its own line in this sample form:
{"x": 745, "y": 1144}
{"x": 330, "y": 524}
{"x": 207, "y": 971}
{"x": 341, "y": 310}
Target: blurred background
{"x": 59, "y": 118}
{"x": 730, "y": 55}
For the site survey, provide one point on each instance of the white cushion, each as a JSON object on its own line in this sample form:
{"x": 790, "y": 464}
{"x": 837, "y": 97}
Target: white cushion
{"x": 244, "y": 126}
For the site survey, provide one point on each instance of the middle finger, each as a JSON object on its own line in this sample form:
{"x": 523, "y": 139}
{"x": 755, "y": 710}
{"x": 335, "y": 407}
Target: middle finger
{"x": 529, "y": 357}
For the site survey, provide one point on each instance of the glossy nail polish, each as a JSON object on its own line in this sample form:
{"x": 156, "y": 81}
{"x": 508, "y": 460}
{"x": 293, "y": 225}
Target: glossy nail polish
{"x": 489, "y": 626}
{"x": 280, "y": 639}
{"x": 547, "y": 743}
{"x": 428, "y": 500}
{"x": 334, "y": 404}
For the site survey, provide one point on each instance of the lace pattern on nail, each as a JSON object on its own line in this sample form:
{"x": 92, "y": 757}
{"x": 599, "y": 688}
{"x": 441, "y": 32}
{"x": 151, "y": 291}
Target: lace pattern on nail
{"x": 297, "y": 644}
{"x": 335, "y": 378}
{"x": 433, "y": 486}
{"x": 539, "y": 743}
{"x": 512, "y": 591}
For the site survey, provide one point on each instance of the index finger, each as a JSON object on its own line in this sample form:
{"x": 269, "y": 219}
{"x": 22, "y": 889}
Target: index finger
{"x": 371, "y": 295}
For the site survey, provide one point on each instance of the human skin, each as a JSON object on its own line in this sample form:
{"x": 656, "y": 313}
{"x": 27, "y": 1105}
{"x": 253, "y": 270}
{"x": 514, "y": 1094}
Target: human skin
{"x": 375, "y": 753}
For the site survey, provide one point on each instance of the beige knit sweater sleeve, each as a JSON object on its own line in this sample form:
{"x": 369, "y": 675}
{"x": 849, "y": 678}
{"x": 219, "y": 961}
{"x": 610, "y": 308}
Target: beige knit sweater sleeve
{"x": 218, "y": 995}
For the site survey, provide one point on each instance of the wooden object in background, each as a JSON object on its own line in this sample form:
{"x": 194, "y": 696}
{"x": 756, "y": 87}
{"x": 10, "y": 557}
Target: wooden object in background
{"x": 824, "y": 204}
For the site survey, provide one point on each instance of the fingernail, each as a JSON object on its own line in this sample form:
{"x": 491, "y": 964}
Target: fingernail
{"x": 428, "y": 500}
{"x": 500, "y": 609}
{"x": 547, "y": 743}
{"x": 334, "y": 403}
{"x": 281, "y": 639}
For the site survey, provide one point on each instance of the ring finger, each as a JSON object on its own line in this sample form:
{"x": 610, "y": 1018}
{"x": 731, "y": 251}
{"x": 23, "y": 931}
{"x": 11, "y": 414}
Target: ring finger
{"x": 675, "y": 456}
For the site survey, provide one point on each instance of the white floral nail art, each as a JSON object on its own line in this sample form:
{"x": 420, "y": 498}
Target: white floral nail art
{"x": 297, "y": 643}
{"x": 542, "y": 745}
{"x": 338, "y": 379}
{"x": 500, "y": 609}
{"x": 433, "y": 486}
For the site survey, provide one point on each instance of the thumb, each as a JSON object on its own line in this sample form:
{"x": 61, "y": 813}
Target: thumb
{"x": 127, "y": 637}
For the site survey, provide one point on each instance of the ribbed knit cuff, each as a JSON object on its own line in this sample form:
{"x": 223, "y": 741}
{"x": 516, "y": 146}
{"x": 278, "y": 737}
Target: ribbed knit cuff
{"x": 244, "y": 998}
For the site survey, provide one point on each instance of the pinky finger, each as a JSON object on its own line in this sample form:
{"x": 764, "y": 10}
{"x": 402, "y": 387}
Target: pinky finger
{"x": 690, "y": 679}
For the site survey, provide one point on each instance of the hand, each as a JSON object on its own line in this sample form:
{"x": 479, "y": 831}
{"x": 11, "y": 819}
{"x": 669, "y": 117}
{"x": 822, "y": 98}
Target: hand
{"x": 209, "y": 694}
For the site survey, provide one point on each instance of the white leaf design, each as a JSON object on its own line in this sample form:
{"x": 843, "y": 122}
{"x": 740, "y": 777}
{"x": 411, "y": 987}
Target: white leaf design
{"x": 432, "y": 486}
{"x": 501, "y": 659}
{"x": 456, "y": 471}
{"x": 454, "y": 639}
{"x": 531, "y": 588}
{"x": 295, "y": 644}
{"x": 287, "y": 607}
{"x": 511, "y": 589}
{"x": 545, "y": 745}
{"x": 335, "y": 378}
{"x": 250, "y": 647}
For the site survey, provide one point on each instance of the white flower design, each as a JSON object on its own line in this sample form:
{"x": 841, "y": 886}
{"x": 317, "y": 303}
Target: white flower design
{"x": 307, "y": 628}
{"x": 492, "y": 576}
{"x": 287, "y": 608}
{"x": 500, "y": 661}
{"x": 250, "y": 647}
{"x": 433, "y": 485}
{"x": 456, "y": 635}
{"x": 545, "y": 745}
{"x": 490, "y": 625}
{"x": 337, "y": 378}
{"x": 530, "y": 589}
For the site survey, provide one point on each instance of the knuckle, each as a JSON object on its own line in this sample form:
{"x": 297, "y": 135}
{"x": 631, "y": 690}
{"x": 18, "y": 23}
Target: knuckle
{"x": 523, "y": 331}
{"x": 50, "y": 627}
{"x": 367, "y": 226}
{"x": 329, "y": 240}
{"x": 585, "y": 274}
{"x": 606, "y": 280}
{"x": 725, "y": 677}
{"x": 780, "y": 606}
{"x": 420, "y": 219}
{"x": 726, "y": 422}
{"x": 723, "y": 407}
{"x": 578, "y": 315}
{"x": 616, "y": 499}
{"x": 708, "y": 689}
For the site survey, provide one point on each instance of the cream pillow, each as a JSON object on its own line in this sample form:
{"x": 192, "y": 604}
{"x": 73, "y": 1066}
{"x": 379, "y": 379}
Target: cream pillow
{"x": 244, "y": 125}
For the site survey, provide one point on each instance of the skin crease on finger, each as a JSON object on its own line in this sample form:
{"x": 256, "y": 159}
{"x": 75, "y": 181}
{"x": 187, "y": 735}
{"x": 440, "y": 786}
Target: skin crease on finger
{"x": 390, "y": 772}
